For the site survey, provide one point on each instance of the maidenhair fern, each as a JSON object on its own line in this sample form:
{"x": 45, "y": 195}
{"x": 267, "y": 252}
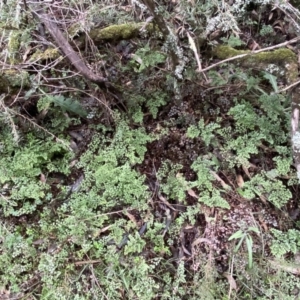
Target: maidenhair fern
{"x": 285, "y": 242}
{"x": 270, "y": 188}
{"x": 209, "y": 194}
{"x": 20, "y": 169}
{"x": 146, "y": 57}
{"x": 110, "y": 176}
{"x": 171, "y": 182}
{"x": 206, "y": 132}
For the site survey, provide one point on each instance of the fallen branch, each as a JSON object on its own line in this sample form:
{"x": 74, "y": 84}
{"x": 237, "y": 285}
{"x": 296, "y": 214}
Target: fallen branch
{"x": 289, "y": 87}
{"x": 66, "y": 48}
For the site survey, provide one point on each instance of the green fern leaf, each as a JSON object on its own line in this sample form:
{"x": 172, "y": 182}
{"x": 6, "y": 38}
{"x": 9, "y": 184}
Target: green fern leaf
{"x": 272, "y": 79}
{"x": 68, "y": 104}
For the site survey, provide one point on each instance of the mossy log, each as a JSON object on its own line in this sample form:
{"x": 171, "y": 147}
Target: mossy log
{"x": 283, "y": 58}
{"x": 121, "y": 32}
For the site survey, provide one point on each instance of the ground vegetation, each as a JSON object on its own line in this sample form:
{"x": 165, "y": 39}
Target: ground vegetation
{"x": 149, "y": 149}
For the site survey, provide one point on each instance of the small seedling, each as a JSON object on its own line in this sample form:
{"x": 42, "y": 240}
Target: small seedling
{"x": 245, "y": 235}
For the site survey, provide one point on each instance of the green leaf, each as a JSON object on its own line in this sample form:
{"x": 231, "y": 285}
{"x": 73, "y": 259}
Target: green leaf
{"x": 236, "y": 235}
{"x": 272, "y": 80}
{"x": 68, "y": 104}
{"x": 239, "y": 244}
{"x": 254, "y": 229}
{"x": 249, "y": 243}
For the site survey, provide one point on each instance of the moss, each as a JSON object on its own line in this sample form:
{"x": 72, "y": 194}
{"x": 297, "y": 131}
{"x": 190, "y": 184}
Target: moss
{"x": 282, "y": 56}
{"x": 51, "y": 53}
{"x": 17, "y": 78}
{"x": 13, "y": 46}
{"x": 224, "y": 52}
{"x": 276, "y": 56}
{"x": 74, "y": 30}
{"x": 12, "y": 79}
{"x": 119, "y": 32}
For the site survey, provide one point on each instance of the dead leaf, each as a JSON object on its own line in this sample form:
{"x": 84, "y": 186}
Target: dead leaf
{"x": 263, "y": 199}
{"x": 87, "y": 262}
{"x": 98, "y": 232}
{"x": 253, "y": 45}
{"x": 270, "y": 16}
{"x": 197, "y": 56}
{"x": 26, "y": 54}
{"x": 263, "y": 223}
{"x": 245, "y": 169}
{"x": 164, "y": 200}
{"x": 224, "y": 185}
{"x": 192, "y": 193}
{"x": 240, "y": 181}
{"x": 131, "y": 217}
{"x": 43, "y": 178}
{"x": 73, "y": 162}
{"x": 231, "y": 281}
{"x": 201, "y": 240}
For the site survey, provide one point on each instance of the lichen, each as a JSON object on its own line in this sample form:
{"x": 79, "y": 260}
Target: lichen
{"x": 291, "y": 72}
